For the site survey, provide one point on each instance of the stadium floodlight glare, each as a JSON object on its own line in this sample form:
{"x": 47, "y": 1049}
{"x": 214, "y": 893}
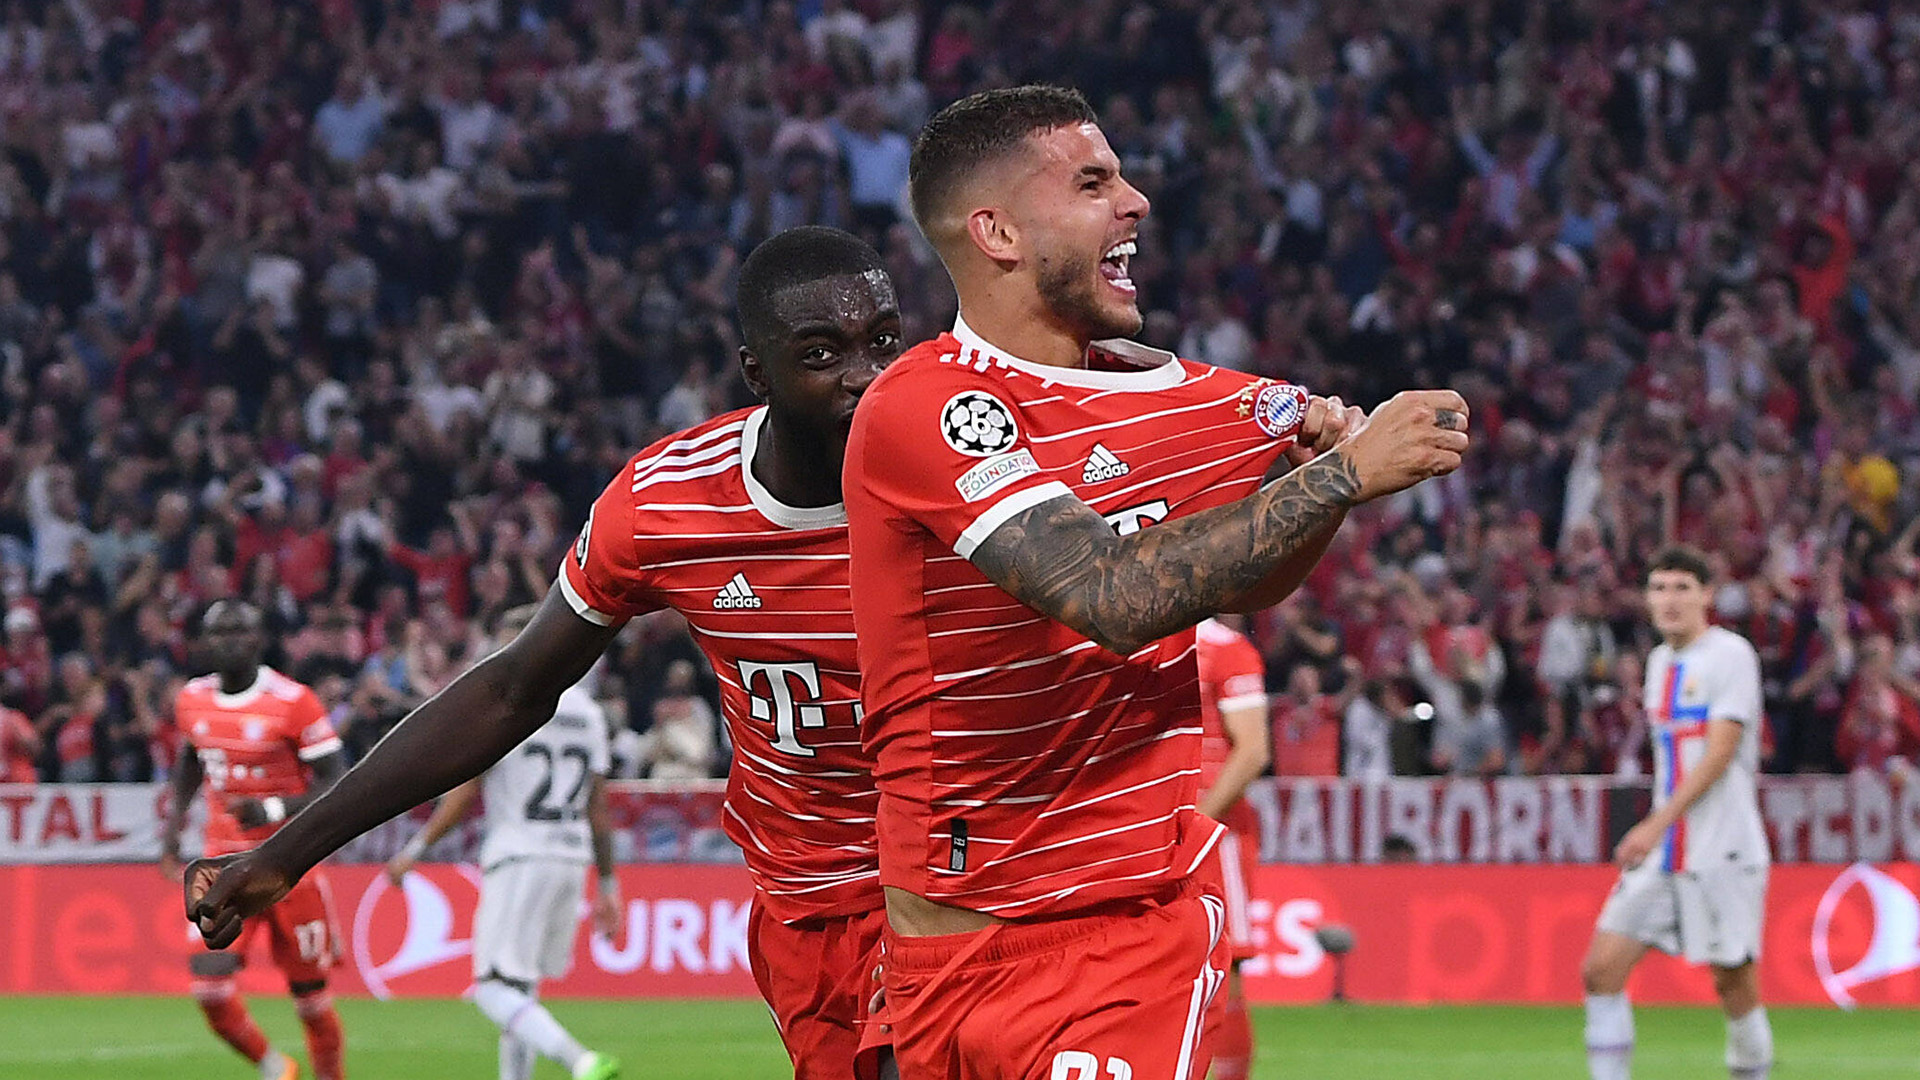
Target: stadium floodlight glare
{"x": 1337, "y": 939}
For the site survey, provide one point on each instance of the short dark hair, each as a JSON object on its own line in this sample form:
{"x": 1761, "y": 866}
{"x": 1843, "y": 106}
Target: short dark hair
{"x": 979, "y": 128}
{"x": 795, "y": 257}
{"x": 1684, "y": 559}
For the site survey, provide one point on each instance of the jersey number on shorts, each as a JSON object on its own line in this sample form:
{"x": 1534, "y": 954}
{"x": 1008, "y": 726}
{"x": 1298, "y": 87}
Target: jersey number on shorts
{"x": 568, "y": 809}
{"x": 783, "y": 706}
{"x": 1080, "y": 1065}
{"x": 311, "y": 937}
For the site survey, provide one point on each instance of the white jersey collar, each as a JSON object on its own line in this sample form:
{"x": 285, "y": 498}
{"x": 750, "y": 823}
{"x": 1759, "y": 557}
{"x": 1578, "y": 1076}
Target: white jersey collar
{"x": 787, "y": 517}
{"x": 1155, "y": 369}
{"x": 235, "y": 701}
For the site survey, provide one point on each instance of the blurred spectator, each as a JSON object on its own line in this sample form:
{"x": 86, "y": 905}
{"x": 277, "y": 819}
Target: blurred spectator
{"x": 1367, "y": 729}
{"x": 306, "y": 326}
{"x": 680, "y": 745}
{"x": 1471, "y": 738}
{"x": 19, "y": 748}
{"x": 1306, "y": 725}
{"x": 1881, "y": 731}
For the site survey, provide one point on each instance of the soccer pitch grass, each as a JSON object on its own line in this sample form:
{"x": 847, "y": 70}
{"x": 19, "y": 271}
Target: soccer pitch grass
{"x": 145, "y": 1038}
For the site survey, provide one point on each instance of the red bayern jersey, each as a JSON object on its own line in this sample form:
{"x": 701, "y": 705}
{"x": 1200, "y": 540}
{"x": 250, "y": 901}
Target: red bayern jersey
{"x": 763, "y": 587}
{"x": 1023, "y": 769}
{"x": 253, "y": 745}
{"x": 1232, "y": 676}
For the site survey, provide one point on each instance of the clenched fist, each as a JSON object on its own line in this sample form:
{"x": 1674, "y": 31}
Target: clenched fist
{"x": 1414, "y": 436}
{"x": 1328, "y": 421}
{"x": 223, "y": 893}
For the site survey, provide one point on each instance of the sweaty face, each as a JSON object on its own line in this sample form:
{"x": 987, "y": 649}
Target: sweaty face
{"x": 1080, "y": 220}
{"x": 827, "y": 341}
{"x": 1677, "y": 602}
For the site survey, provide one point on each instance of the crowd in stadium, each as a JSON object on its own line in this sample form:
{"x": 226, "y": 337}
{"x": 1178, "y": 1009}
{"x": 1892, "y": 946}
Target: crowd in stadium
{"x": 355, "y": 320}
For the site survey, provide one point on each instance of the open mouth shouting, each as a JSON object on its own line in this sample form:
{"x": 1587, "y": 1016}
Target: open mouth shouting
{"x": 1113, "y": 267}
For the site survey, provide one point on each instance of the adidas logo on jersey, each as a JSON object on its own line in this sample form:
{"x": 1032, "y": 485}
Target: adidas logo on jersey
{"x": 736, "y": 594}
{"x": 1103, "y": 466}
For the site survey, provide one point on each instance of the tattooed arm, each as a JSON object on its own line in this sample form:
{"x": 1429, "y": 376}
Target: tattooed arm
{"x": 1328, "y": 421}
{"x": 1062, "y": 559}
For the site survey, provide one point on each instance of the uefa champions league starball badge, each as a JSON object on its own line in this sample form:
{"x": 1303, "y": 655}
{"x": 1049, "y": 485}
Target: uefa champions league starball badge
{"x": 978, "y": 424}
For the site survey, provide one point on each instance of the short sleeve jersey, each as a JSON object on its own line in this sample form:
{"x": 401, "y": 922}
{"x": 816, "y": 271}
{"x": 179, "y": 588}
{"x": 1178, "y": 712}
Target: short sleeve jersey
{"x": 1232, "y": 676}
{"x": 253, "y": 745}
{"x": 763, "y": 587}
{"x": 1716, "y": 677}
{"x": 1024, "y": 770}
{"x": 536, "y": 796}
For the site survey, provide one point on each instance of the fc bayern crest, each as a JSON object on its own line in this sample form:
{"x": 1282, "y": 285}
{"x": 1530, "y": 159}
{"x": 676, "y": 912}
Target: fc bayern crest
{"x": 978, "y": 424}
{"x": 1279, "y": 408}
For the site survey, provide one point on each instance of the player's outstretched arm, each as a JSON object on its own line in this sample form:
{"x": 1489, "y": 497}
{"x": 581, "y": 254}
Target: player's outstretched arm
{"x": 454, "y": 737}
{"x": 1062, "y": 559}
{"x": 606, "y": 896}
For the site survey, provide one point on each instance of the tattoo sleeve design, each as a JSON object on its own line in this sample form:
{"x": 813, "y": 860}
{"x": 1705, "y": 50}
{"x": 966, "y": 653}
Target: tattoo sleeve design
{"x": 1062, "y": 559}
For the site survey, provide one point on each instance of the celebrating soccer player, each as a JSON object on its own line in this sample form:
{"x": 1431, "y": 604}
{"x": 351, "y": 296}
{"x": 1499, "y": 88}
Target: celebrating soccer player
{"x": 1694, "y": 873}
{"x": 546, "y": 808}
{"x": 737, "y": 524}
{"x": 1039, "y": 516}
{"x": 263, "y": 746}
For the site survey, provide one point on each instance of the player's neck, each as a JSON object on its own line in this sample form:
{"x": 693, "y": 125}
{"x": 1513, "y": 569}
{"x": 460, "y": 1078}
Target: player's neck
{"x": 1024, "y": 331}
{"x": 240, "y": 680}
{"x": 799, "y": 467}
{"x": 1680, "y": 640}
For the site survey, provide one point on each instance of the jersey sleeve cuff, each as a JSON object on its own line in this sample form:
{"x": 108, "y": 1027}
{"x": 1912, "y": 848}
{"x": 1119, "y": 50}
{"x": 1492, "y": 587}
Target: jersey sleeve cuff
{"x": 320, "y": 749}
{"x": 998, "y": 514}
{"x": 1244, "y": 701}
{"x": 580, "y": 605}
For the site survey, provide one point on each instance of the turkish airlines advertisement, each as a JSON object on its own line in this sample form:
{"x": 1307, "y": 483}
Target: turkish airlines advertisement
{"x": 1836, "y": 935}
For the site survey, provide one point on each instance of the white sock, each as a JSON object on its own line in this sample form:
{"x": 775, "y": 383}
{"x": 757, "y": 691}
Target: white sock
{"x": 1750, "y": 1046}
{"x": 516, "y": 1058}
{"x": 273, "y": 1064}
{"x": 519, "y": 1015}
{"x": 1609, "y": 1036}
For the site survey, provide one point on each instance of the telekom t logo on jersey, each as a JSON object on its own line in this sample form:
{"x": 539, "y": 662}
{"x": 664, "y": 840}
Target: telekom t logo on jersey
{"x": 1134, "y": 518}
{"x": 788, "y": 687}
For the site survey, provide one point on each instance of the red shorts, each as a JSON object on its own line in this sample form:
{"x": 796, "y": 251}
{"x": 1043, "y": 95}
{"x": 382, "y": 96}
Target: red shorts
{"x": 817, "y": 977}
{"x": 302, "y": 933}
{"x": 1228, "y": 869}
{"x": 1119, "y": 992}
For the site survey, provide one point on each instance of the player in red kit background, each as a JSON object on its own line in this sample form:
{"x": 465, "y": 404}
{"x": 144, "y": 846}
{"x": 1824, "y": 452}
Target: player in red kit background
{"x": 1234, "y": 750}
{"x": 1039, "y": 515}
{"x": 737, "y": 524}
{"x": 694, "y": 524}
{"x": 262, "y": 744}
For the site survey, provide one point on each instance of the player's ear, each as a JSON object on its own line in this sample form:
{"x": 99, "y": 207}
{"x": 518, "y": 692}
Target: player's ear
{"x": 994, "y": 233}
{"x": 753, "y": 373}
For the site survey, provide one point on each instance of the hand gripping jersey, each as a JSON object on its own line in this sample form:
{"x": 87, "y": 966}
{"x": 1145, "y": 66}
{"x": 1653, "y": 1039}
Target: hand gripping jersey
{"x": 763, "y": 587}
{"x": 1023, "y": 769}
{"x": 536, "y": 796}
{"x": 1716, "y": 677}
{"x": 253, "y": 745}
{"x": 1232, "y": 676}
